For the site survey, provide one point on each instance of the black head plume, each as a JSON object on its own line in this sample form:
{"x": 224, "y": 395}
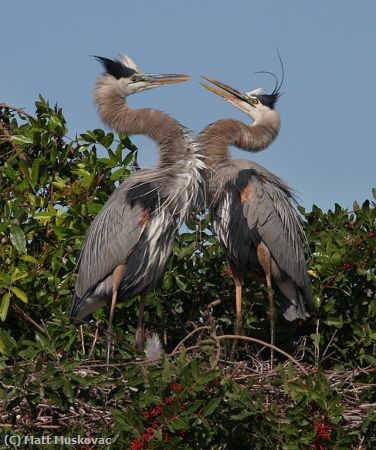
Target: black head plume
{"x": 269, "y": 100}
{"x": 115, "y": 67}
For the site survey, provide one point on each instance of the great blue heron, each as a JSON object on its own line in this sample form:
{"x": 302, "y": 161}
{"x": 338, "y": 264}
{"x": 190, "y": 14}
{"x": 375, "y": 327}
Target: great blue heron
{"x": 252, "y": 210}
{"x": 127, "y": 246}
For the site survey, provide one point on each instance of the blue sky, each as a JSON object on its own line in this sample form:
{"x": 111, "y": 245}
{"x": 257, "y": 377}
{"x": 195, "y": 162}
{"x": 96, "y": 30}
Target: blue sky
{"x": 325, "y": 149}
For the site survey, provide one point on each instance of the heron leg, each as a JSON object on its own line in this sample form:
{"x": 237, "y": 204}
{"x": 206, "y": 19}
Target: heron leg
{"x": 272, "y": 315}
{"x": 140, "y": 325}
{"x": 265, "y": 259}
{"x": 238, "y": 305}
{"x": 117, "y": 277}
{"x": 238, "y": 310}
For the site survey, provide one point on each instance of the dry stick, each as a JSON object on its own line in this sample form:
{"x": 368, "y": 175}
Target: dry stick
{"x": 94, "y": 341}
{"x": 28, "y": 318}
{"x": 18, "y": 110}
{"x": 82, "y": 339}
{"x": 206, "y": 327}
{"x": 266, "y": 344}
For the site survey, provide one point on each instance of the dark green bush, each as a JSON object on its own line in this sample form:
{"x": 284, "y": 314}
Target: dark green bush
{"x": 53, "y": 380}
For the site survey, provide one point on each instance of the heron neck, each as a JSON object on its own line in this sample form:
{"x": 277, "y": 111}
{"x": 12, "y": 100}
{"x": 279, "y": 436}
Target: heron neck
{"x": 168, "y": 134}
{"x": 216, "y": 138}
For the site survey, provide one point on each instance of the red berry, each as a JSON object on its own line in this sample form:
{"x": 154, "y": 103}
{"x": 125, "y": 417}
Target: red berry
{"x": 146, "y": 437}
{"x": 150, "y": 430}
{"x": 155, "y": 411}
{"x": 176, "y": 387}
{"x": 136, "y": 445}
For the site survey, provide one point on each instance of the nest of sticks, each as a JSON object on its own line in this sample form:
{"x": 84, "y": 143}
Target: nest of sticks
{"x": 352, "y": 385}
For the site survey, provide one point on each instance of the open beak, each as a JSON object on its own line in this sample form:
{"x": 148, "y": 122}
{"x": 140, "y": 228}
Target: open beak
{"x": 157, "y": 79}
{"x": 227, "y": 92}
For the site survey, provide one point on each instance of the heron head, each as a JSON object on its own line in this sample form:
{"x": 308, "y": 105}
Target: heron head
{"x": 130, "y": 78}
{"x": 256, "y": 104}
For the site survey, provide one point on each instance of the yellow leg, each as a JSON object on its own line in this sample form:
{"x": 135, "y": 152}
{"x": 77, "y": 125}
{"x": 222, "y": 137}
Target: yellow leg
{"x": 238, "y": 309}
{"x": 109, "y": 347}
{"x": 238, "y": 306}
{"x": 117, "y": 277}
{"x": 272, "y": 314}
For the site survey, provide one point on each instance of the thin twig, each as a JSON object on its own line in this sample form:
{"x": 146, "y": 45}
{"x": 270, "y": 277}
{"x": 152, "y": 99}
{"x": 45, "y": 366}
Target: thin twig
{"x": 206, "y": 327}
{"x": 28, "y": 318}
{"x": 82, "y": 339}
{"x": 18, "y": 110}
{"x": 266, "y": 344}
{"x": 94, "y": 341}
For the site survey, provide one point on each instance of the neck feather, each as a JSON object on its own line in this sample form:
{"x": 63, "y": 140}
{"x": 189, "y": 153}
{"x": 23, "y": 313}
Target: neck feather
{"x": 216, "y": 138}
{"x": 169, "y": 134}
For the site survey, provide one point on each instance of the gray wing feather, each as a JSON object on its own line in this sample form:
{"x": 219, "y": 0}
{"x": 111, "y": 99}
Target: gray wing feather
{"x": 109, "y": 241}
{"x": 270, "y": 210}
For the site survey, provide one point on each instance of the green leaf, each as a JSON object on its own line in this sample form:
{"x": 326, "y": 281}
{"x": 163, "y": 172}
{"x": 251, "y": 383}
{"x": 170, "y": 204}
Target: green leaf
{"x": 45, "y": 216}
{"x": 107, "y": 141}
{"x": 35, "y": 171}
{"x": 338, "y": 323}
{"x": 59, "y": 182}
{"x": 5, "y": 278}
{"x": 240, "y": 416}
{"x": 166, "y": 370}
{"x": 117, "y": 174}
{"x": 128, "y": 159}
{"x": 88, "y": 138}
{"x": 7, "y": 343}
{"x": 18, "y": 275}
{"x": 19, "y": 293}
{"x": 211, "y": 406}
{"x": 17, "y": 238}
{"x": 4, "y": 306}
{"x": 21, "y": 139}
{"x": 180, "y": 283}
{"x": 88, "y": 180}
{"x": 178, "y": 423}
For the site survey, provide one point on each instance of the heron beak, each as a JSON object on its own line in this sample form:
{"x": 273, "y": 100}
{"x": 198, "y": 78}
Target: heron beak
{"x": 157, "y": 79}
{"x": 227, "y": 92}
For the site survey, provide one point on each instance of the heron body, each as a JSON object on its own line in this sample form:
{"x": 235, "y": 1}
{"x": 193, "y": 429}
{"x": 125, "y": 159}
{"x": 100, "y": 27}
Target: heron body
{"x": 257, "y": 226}
{"x": 134, "y": 229}
{"x": 252, "y": 210}
{"x": 126, "y": 248}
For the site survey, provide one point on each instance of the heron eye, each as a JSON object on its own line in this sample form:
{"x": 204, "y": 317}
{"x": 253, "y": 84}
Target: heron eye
{"x": 133, "y": 78}
{"x": 255, "y": 101}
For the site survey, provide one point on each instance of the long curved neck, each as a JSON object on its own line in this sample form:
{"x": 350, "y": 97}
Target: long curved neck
{"x": 216, "y": 138}
{"x": 168, "y": 134}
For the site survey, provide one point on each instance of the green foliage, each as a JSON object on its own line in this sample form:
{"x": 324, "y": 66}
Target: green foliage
{"x": 51, "y": 189}
{"x": 50, "y": 192}
{"x": 342, "y": 267}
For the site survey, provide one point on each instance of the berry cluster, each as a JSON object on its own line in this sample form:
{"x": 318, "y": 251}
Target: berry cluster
{"x": 157, "y": 419}
{"x": 322, "y": 430}
{"x": 347, "y": 266}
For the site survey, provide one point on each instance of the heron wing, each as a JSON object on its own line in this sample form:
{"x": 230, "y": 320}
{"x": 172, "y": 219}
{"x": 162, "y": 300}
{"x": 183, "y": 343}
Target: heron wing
{"x": 110, "y": 240}
{"x": 268, "y": 208}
